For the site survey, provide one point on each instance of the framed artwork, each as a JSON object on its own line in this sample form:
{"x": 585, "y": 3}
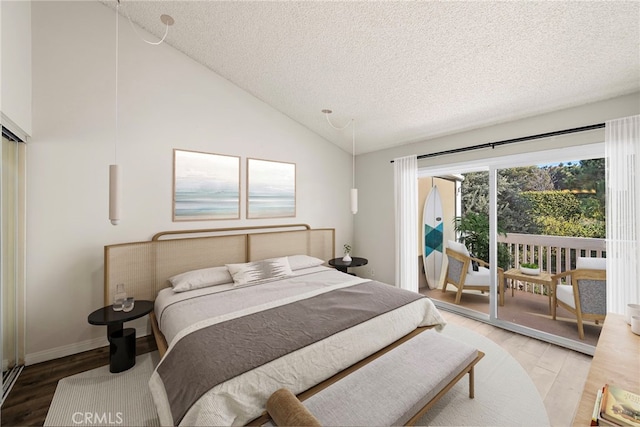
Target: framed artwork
{"x": 206, "y": 186}
{"x": 271, "y": 189}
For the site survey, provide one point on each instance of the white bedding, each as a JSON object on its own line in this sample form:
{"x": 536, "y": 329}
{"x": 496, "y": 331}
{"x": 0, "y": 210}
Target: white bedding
{"x": 239, "y": 400}
{"x": 177, "y": 310}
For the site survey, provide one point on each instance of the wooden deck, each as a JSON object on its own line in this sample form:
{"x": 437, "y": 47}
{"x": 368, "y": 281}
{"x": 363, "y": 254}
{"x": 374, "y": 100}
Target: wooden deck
{"x": 526, "y": 309}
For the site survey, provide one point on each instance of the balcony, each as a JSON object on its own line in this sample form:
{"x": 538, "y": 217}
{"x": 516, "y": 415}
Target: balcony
{"x": 529, "y": 305}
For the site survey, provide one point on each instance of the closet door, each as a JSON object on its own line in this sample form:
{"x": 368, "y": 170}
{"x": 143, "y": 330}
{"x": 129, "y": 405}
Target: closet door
{"x": 11, "y": 257}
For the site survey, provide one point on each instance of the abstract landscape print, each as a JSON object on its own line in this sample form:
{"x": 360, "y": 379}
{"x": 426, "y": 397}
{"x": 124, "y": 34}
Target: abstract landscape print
{"x": 271, "y": 189}
{"x": 206, "y": 186}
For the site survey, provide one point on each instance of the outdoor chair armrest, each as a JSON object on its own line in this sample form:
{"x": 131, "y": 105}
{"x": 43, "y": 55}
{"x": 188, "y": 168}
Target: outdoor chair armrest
{"x": 555, "y": 277}
{"x": 481, "y": 262}
{"x": 485, "y": 264}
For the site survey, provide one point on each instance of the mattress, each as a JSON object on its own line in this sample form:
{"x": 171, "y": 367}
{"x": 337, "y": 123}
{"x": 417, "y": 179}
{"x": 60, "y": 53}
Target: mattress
{"x": 240, "y": 396}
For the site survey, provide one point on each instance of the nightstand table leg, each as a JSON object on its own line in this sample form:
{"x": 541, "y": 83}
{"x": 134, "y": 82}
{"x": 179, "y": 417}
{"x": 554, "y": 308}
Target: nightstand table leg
{"x": 122, "y": 350}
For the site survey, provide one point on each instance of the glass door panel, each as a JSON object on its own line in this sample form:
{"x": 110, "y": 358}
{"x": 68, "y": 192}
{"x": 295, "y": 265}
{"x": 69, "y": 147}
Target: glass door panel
{"x": 465, "y": 198}
{"x": 548, "y": 215}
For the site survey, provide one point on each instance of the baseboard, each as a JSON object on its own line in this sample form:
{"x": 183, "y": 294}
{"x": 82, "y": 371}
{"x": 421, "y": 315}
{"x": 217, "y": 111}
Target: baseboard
{"x": 75, "y": 348}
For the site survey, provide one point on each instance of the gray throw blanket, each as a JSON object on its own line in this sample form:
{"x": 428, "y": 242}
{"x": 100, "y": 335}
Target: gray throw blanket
{"x": 214, "y": 354}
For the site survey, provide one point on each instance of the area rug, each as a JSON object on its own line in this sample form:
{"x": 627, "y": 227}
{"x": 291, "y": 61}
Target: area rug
{"x": 504, "y": 394}
{"x": 100, "y": 398}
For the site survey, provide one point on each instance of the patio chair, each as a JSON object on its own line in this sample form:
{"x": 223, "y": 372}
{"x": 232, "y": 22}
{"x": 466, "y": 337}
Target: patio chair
{"x": 585, "y": 294}
{"x": 461, "y": 272}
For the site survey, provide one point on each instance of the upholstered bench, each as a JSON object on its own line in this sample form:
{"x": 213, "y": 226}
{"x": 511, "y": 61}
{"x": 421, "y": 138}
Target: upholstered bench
{"x": 395, "y": 389}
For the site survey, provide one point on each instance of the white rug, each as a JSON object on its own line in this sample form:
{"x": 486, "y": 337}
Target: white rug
{"x": 504, "y": 394}
{"x": 100, "y": 398}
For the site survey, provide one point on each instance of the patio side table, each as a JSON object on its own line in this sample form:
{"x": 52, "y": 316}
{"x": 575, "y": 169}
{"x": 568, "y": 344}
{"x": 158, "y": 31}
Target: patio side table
{"x": 543, "y": 278}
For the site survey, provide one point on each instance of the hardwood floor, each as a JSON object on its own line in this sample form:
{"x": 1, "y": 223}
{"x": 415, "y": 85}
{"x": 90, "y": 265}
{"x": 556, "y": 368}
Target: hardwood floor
{"x": 29, "y": 400}
{"x": 558, "y": 374}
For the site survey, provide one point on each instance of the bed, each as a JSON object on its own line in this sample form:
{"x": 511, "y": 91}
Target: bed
{"x": 275, "y": 316}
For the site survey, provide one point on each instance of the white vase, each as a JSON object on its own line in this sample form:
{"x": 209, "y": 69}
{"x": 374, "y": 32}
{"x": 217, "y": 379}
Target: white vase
{"x": 346, "y": 258}
{"x": 530, "y": 271}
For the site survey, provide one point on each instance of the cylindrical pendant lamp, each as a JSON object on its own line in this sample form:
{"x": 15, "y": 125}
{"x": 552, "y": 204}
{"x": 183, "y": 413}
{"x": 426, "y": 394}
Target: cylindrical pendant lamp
{"x": 354, "y": 201}
{"x": 354, "y": 190}
{"x": 114, "y": 194}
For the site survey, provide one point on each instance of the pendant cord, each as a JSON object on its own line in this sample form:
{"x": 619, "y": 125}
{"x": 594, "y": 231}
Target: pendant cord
{"x": 166, "y": 30}
{"x": 334, "y": 126}
{"x": 351, "y": 122}
{"x": 115, "y": 150}
{"x": 354, "y": 190}
{"x": 353, "y": 151}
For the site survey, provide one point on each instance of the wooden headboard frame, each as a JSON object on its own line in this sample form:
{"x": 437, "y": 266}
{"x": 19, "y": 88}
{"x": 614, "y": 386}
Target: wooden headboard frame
{"x": 144, "y": 267}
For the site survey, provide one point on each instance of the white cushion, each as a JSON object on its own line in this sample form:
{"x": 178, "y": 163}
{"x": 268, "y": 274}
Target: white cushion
{"x": 480, "y": 277}
{"x": 298, "y": 262}
{"x": 259, "y": 271}
{"x": 458, "y": 247}
{"x": 591, "y": 263}
{"x": 462, "y": 249}
{"x": 201, "y": 278}
{"x": 366, "y": 396}
{"x": 564, "y": 293}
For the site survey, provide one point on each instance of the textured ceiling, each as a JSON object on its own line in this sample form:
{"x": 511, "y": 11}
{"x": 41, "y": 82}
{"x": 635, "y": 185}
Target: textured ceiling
{"x": 408, "y": 71}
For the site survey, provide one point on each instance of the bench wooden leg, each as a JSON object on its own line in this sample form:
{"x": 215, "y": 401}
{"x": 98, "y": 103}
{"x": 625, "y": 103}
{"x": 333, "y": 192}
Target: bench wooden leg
{"x": 471, "y": 384}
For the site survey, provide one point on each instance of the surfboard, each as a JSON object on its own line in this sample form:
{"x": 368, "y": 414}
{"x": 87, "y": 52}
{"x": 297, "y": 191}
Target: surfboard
{"x": 432, "y": 235}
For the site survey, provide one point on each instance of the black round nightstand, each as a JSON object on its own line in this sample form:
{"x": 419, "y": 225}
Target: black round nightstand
{"x": 341, "y": 265}
{"x": 122, "y": 342}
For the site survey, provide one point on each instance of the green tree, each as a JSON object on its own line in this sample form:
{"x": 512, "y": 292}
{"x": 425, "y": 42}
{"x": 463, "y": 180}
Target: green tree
{"x": 513, "y": 209}
{"x": 557, "y": 204}
{"x": 535, "y": 200}
{"x": 474, "y": 233}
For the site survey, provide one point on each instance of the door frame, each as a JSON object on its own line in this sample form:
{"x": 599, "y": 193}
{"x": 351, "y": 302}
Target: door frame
{"x": 493, "y": 164}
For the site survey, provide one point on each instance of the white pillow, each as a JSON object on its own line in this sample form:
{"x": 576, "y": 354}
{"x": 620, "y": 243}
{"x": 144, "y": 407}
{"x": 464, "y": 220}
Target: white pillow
{"x": 257, "y": 271}
{"x": 591, "y": 263}
{"x": 462, "y": 249}
{"x": 202, "y": 278}
{"x": 458, "y": 247}
{"x": 298, "y": 262}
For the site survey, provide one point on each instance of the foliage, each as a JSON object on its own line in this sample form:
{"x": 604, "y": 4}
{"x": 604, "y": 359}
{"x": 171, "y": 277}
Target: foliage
{"x": 586, "y": 175}
{"x": 556, "y": 204}
{"x": 474, "y": 231}
{"x": 529, "y": 178}
{"x": 561, "y": 213}
{"x": 347, "y": 248}
{"x": 559, "y": 200}
{"x": 529, "y": 265}
{"x": 575, "y": 227}
{"x": 513, "y": 209}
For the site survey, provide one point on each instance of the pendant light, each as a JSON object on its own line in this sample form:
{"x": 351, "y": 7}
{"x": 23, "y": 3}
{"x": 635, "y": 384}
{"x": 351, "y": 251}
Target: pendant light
{"x": 115, "y": 172}
{"x": 354, "y": 190}
{"x": 114, "y": 169}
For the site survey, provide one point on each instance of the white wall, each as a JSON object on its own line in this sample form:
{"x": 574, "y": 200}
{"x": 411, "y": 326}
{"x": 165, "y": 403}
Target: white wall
{"x": 15, "y": 101}
{"x": 374, "y": 225}
{"x": 166, "y": 101}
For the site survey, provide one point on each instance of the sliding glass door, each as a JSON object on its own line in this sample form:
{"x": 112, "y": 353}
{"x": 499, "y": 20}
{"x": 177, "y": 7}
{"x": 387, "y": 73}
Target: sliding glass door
{"x": 551, "y": 214}
{"x": 11, "y": 259}
{"x": 507, "y": 217}
{"x": 464, "y": 213}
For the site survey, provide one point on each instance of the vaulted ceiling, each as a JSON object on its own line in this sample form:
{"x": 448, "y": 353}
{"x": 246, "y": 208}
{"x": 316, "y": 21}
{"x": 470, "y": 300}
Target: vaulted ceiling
{"x": 407, "y": 71}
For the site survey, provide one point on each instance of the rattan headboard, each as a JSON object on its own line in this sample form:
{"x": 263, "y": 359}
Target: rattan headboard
{"x": 144, "y": 267}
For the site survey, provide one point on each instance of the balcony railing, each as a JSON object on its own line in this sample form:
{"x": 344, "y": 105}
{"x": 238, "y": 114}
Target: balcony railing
{"x": 554, "y": 254}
